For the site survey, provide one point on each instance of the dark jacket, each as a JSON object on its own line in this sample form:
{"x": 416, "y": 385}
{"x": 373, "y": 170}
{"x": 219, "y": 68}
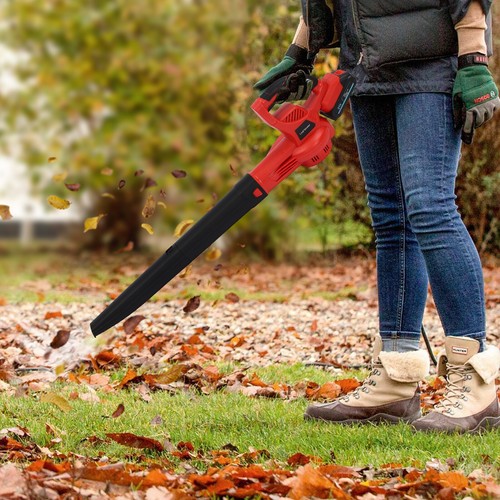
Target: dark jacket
{"x": 404, "y": 46}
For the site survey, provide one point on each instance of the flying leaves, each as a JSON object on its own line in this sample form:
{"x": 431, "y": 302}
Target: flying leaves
{"x": 148, "y": 228}
{"x": 182, "y": 227}
{"x": 57, "y": 202}
{"x": 5, "y": 212}
{"x": 91, "y": 223}
{"x": 149, "y": 207}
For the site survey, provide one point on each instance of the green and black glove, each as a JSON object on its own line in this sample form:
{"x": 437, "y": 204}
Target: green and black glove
{"x": 298, "y": 64}
{"x": 475, "y": 95}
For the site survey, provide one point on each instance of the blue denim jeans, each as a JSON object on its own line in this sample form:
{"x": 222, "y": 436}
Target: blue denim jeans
{"x": 409, "y": 152}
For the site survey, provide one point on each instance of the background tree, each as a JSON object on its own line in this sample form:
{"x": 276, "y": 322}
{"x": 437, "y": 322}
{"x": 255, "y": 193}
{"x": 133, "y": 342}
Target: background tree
{"x": 113, "y": 88}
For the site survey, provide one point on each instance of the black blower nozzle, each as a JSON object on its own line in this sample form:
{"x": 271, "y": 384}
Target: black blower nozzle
{"x": 244, "y": 196}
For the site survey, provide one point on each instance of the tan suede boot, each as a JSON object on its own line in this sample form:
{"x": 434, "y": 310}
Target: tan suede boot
{"x": 389, "y": 394}
{"x": 470, "y": 401}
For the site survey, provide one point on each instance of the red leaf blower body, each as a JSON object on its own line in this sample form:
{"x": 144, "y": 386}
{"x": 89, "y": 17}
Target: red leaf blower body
{"x": 305, "y": 140}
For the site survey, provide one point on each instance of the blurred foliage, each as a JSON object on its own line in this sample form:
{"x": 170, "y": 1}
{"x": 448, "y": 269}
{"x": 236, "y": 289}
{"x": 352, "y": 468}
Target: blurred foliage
{"x": 113, "y": 87}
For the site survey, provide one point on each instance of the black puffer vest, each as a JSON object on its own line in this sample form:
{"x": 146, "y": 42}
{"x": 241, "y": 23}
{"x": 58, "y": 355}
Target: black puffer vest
{"x": 404, "y": 46}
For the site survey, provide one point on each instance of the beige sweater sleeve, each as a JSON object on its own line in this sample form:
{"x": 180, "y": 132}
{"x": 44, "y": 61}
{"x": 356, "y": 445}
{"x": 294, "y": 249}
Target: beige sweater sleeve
{"x": 470, "y": 30}
{"x": 301, "y": 37}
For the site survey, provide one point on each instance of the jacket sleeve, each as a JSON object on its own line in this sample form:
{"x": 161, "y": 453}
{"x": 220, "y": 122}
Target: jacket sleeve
{"x": 458, "y": 8}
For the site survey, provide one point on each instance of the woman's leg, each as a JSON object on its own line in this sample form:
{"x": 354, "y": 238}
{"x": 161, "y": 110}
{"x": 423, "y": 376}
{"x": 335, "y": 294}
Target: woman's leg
{"x": 401, "y": 273}
{"x": 429, "y": 149}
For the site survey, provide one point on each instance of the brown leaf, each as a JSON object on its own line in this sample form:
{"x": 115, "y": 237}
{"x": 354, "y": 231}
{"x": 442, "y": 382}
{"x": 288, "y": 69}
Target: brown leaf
{"x": 128, "y": 439}
{"x": 131, "y": 323}
{"x": 50, "y": 159}
{"x": 107, "y": 357}
{"x": 150, "y": 183}
{"x": 73, "y": 187}
{"x": 232, "y": 297}
{"x": 173, "y": 374}
{"x": 122, "y": 183}
{"x": 107, "y": 171}
{"x": 213, "y": 254}
{"x": 5, "y": 212}
{"x": 298, "y": 459}
{"x": 149, "y": 207}
{"x": 137, "y": 173}
{"x": 192, "y": 304}
{"x": 178, "y": 174}
{"x": 118, "y": 411}
{"x": 62, "y": 336}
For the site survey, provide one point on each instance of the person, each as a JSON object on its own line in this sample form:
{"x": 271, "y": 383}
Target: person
{"x": 423, "y": 86}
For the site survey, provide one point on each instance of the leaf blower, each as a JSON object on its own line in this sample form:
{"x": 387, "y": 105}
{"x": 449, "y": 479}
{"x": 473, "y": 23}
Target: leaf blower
{"x": 305, "y": 140}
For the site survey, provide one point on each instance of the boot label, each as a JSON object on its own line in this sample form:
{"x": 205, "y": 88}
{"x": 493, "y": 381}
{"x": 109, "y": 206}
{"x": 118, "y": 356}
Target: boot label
{"x": 459, "y": 350}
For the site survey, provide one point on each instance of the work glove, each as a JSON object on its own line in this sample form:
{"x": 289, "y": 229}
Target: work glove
{"x": 298, "y": 65}
{"x": 475, "y": 95}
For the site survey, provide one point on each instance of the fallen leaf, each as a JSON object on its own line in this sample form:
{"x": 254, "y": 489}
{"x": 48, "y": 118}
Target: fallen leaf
{"x": 182, "y": 227}
{"x": 58, "y": 203}
{"x": 51, "y": 159}
{"x": 148, "y": 228}
{"x": 55, "y": 399}
{"x": 73, "y": 187}
{"x": 232, "y": 297}
{"x": 149, "y": 207}
{"x": 108, "y": 195}
{"x": 107, "y": 171}
{"x": 130, "y": 324}
{"x": 5, "y": 212}
{"x": 348, "y": 384}
{"x": 91, "y": 223}
{"x": 53, "y": 314}
{"x": 178, "y": 174}
{"x": 192, "y": 304}
{"x": 122, "y": 183}
{"x": 61, "y": 338}
{"x": 119, "y": 411}
{"x": 128, "y": 439}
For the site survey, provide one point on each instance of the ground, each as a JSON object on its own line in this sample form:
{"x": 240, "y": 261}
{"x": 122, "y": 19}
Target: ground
{"x": 210, "y": 393}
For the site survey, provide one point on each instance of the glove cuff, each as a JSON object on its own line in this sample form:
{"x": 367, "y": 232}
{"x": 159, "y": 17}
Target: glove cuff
{"x": 297, "y": 52}
{"x": 472, "y": 60}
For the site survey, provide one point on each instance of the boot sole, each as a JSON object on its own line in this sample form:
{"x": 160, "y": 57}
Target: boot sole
{"x": 487, "y": 424}
{"x": 376, "y": 419}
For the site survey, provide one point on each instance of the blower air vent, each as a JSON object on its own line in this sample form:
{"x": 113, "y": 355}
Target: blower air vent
{"x": 315, "y": 159}
{"x": 285, "y": 169}
{"x": 295, "y": 114}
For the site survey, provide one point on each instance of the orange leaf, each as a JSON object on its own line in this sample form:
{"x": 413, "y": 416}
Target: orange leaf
{"x": 454, "y": 479}
{"x": 347, "y": 384}
{"x": 53, "y": 314}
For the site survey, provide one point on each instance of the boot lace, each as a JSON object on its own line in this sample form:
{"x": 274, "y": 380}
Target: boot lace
{"x": 456, "y": 388}
{"x": 364, "y": 387}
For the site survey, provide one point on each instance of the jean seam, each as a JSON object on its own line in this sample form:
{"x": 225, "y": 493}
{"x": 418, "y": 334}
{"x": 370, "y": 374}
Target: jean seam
{"x": 402, "y": 261}
{"x": 452, "y": 223}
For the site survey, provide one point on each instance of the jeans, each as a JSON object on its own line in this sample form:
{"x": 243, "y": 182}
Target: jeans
{"x": 409, "y": 152}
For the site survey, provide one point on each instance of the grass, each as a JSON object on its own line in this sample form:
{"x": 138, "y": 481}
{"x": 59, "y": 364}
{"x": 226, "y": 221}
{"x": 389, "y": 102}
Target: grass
{"x": 212, "y": 421}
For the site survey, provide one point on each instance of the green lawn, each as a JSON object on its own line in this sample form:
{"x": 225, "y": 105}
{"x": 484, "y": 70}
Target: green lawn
{"x": 212, "y": 421}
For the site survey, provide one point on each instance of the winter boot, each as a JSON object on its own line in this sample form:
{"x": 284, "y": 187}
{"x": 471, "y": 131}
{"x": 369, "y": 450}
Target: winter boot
{"x": 470, "y": 401}
{"x": 389, "y": 394}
